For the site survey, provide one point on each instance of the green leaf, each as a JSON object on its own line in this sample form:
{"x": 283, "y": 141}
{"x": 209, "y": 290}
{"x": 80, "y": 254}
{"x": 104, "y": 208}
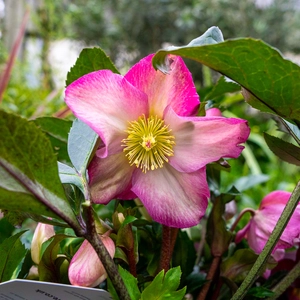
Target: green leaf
{"x": 271, "y": 83}
{"x": 69, "y": 175}
{"x": 28, "y": 171}
{"x": 48, "y": 269}
{"x": 82, "y": 143}
{"x": 284, "y": 150}
{"x": 238, "y": 266}
{"x": 246, "y": 182}
{"x": 6, "y": 229}
{"x": 184, "y": 254}
{"x": 57, "y": 130}
{"x": 222, "y": 87}
{"x": 218, "y": 236}
{"x": 260, "y": 292}
{"x": 164, "y": 286}
{"x": 131, "y": 284}
{"x": 12, "y": 253}
{"x": 88, "y": 61}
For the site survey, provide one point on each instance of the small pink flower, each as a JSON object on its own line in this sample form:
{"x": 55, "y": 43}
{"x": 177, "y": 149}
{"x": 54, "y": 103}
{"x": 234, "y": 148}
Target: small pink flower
{"x": 261, "y": 225}
{"x": 85, "y": 268}
{"x": 154, "y": 147}
{"x": 42, "y": 233}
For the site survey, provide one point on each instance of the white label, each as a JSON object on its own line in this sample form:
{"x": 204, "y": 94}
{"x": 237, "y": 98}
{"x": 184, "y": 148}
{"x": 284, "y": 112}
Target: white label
{"x": 19, "y": 289}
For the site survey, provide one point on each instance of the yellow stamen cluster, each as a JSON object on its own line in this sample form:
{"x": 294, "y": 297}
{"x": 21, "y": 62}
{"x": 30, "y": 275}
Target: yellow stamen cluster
{"x": 149, "y": 143}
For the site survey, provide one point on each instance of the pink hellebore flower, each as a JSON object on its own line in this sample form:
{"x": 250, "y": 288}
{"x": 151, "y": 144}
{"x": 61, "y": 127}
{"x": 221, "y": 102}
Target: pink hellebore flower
{"x": 85, "y": 268}
{"x": 42, "y": 233}
{"x": 261, "y": 225}
{"x": 154, "y": 146}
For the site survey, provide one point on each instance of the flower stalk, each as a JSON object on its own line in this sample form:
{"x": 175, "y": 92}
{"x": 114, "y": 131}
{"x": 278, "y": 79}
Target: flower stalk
{"x": 93, "y": 238}
{"x": 271, "y": 243}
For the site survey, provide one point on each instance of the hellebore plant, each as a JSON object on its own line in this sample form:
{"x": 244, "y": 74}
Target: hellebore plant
{"x": 263, "y": 221}
{"x": 154, "y": 146}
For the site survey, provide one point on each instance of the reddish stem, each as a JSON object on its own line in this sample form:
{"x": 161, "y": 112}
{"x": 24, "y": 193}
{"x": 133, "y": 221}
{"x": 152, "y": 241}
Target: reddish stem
{"x": 210, "y": 276}
{"x": 169, "y": 236}
{"x": 250, "y": 210}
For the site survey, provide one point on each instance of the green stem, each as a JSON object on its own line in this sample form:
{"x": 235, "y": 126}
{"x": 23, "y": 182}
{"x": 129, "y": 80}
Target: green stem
{"x": 286, "y": 282}
{"x": 274, "y": 237}
{"x": 109, "y": 264}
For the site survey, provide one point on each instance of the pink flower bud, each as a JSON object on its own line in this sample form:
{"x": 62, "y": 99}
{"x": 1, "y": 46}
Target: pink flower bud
{"x": 261, "y": 225}
{"x": 42, "y": 233}
{"x": 85, "y": 268}
{"x": 213, "y": 112}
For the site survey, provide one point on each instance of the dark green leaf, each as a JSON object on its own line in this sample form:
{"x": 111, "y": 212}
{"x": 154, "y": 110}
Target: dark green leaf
{"x": 238, "y": 266}
{"x": 271, "y": 83}
{"x": 6, "y": 229}
{"x": 222, "y": 87}
{"x": 82, "y": 143}
{"x": 57, "y": 130}
{"x": 88, "y": 61}
{"x": 284, "y": 150}
{"x": 164, "y": 286}
{"x": 184, "y": 254}
{"x": 218, "y": 236}
{"x": 12, "y": 253}
{"x": 28, "y": 171}
{"x": 48, "y": 270}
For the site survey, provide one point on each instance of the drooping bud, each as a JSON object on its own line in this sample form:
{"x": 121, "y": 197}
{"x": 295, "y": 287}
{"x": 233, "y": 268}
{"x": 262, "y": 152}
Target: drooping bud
{"x": 261, "y": 225}
{"x": 85, "y": 268}
{"x": 42, "y": 233}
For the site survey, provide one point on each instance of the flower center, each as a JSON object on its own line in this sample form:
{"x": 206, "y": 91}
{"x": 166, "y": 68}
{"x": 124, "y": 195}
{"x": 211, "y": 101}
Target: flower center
{"x": 149, "y": 143}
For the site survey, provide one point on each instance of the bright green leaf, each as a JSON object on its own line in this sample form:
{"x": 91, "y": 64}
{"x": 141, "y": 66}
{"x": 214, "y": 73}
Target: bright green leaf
{"x": 284, "y": 150}
{"x": 88, "y": 61}
{"x": 57, "y": 130}
{"x": 12, "y": 253}
{"x": 164, "y": 286}
{"x": 131, "y": 284}
{"x": 260, "y": 292}
{"x": 271, "y": 83}
{"x": 82, "y": 143}
{"x": 28, "y": 171}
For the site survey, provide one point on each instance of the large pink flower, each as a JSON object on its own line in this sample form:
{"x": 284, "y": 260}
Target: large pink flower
{"x": 154, "y": 146}
{"x": 261, "y": 225}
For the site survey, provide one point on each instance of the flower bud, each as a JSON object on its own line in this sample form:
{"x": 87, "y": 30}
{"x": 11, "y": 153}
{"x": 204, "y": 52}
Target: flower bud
{"x": 261, "y": 225}
{"x": 213, "y": 112}
{"x": 85, "y": 268}
{"x": 42, "y": 233}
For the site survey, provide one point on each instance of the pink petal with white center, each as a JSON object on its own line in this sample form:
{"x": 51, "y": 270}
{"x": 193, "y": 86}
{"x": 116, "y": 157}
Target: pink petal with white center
{"x": 202, "y": 140}
{"x": 110, "y": 178}
{"x": 176, "y": 89}
{"x": 172, "y": 198}
{"x": 86, "y": 268}
{"x": 106, "y": 102}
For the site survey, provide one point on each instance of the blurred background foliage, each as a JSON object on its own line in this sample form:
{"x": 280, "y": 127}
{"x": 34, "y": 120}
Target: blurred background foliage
{"x": 128, "y": 30}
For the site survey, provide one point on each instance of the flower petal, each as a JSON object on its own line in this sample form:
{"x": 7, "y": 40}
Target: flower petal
{"x": 172, "y": 198}
{"x": 110, "y": 178}
{"x": 176, "y": 89}
{"x": 106, "y": 102}
{"x": 86, "y": 268}
{"x": 202, "y": 140}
